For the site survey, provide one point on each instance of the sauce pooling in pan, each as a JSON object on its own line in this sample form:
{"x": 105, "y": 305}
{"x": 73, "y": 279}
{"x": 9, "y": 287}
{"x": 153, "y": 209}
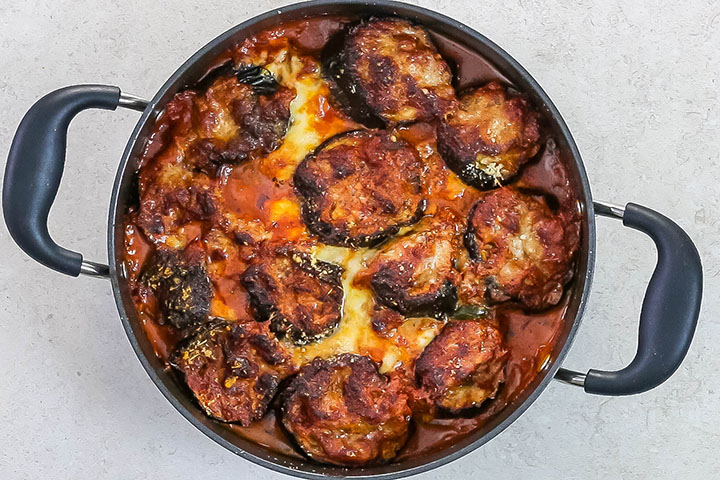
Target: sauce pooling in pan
{"x": 283, "y": 238}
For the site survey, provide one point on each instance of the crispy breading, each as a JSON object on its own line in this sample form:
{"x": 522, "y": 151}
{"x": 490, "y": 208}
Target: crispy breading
{"x": 394, "y": 68}
{"x": 489, "y": 136}
{"x": 416, "y": 274}
{"x": 520, "y": 249}
{"x": 299, "y": 295}
{"x": 463, "y": 366}
{"x": 233, "y": 369}
{"x": 358, "y": 188}
{"x": 342, "y": 411}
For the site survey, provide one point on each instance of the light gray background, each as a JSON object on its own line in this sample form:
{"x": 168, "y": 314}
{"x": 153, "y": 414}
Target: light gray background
{"x": 638, "y": 85}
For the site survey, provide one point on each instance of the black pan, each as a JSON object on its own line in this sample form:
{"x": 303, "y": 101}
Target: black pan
{"x": 34, "y": 168}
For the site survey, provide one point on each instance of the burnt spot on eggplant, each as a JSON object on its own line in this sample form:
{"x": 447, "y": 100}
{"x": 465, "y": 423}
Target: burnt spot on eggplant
{"x": 182, "y": 288}
{"x": 300, "y": 296}
{"x": 347, "y": 199}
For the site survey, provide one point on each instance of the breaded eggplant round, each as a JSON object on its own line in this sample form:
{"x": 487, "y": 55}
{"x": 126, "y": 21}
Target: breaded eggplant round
{"x": 463, "y": 366}
{"x": 181, "y": 286}
{"x": 416, "y": 274}
{"x": 520, "y": 250}
{"x": 234, "y": 122}
{"x": 342, "y": 411}
{"x": 491, "y": 134}
{"x": 393, "y": 68}
{"x": 299, "y": 295}
{"x": 233, "y": 369}
{"x": 359, "y": 188}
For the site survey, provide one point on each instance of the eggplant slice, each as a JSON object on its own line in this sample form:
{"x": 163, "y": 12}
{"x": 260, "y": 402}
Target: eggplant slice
{"x": 181, "y": 286}
{"x": 521, "y": 250}
{"x": 359, "y": 188}
{"x": 489, "y": 136}
{"x": 299, "y": 295}
{"x": 415, "y": 274}
{"x": 233, "y": 369}
{"x": 342, "y": 411}
{"x": 388, "y": 71}
{"x": 463, "y": 366}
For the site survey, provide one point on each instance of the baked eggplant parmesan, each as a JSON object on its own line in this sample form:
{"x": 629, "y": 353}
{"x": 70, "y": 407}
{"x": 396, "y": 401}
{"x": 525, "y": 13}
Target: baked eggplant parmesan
{"x": 520, "y": 250}
{"x": 390, "y": 69}
{"x": 343, "y": 411}
{"x": 300, "y": 296}
{"x": 463, "y": 366}
{"x": 233, "y": 369}
{"x": 361, "y": 187}
{"x": 489, "y": 136}
{"x": 342, "y": 256}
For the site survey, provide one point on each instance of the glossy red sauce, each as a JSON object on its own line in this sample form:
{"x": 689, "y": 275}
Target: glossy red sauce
{"x": 530, "y": 338}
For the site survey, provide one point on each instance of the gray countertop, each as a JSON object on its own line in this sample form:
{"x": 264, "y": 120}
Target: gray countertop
{"x": 638, "y": 86}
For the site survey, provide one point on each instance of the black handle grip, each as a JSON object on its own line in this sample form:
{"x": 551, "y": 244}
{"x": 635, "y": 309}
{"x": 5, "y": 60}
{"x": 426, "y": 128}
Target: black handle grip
{"x": 669, "y": 313}
{"x": 35, "y": 166}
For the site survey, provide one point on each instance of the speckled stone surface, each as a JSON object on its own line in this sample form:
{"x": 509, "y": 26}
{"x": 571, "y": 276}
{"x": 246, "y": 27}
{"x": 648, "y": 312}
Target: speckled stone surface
{"x": 638, "y": 86}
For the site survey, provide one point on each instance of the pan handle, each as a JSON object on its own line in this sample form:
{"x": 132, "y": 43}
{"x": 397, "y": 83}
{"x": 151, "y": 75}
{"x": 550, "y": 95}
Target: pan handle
{"x": 669, "y": 312}
{"x": 35, "y": 166}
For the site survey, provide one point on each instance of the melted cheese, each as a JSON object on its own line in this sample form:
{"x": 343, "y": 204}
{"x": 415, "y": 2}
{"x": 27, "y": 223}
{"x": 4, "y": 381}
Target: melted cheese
{"x": 314, "y": 120}
{"x": 355, "y": 332}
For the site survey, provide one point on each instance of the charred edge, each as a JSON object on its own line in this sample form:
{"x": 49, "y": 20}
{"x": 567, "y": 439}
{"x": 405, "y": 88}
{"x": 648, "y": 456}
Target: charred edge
{"x": 467, "y": 171}
{"x": 257, "y": 283}
{"x": 347, "y": 93}
{"x": 436, "y": 304}
{"x": 469, "y": 239}
{"x": 325, "y": 271}
{"x": 333, "y": 236}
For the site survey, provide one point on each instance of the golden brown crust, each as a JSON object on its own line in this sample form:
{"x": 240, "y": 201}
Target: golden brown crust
{"x": 491, "y": 134}
{"x": 521, "y": 250}
{"x": 300, "y": 296}
{"x": 395, "y": 68}
{"x": 233, "y": 369}
{"x": 462, "y": 367}
{"x": 416, "y": 274}
{"x": 360, "y": 187}
{"x": 342, "y": 411}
